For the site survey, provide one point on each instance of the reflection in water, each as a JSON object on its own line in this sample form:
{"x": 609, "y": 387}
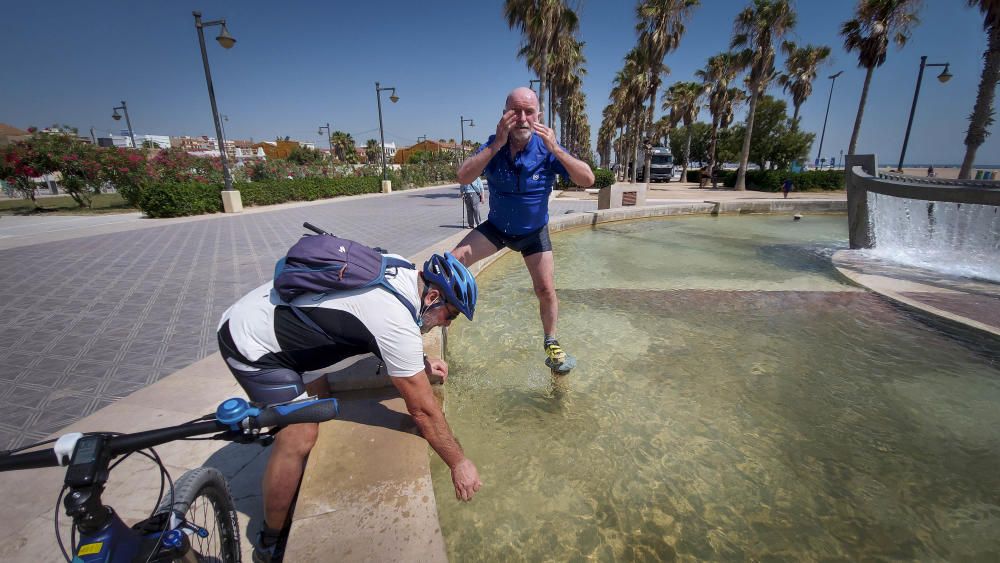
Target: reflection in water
{"x": 733, "y": 400}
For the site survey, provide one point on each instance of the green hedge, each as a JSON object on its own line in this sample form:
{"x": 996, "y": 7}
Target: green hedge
{"x": 603, "y": 178}
{"x": 771, "y": 180}
{"x": 270, "y": 192}
{"x": 176, "y": 199}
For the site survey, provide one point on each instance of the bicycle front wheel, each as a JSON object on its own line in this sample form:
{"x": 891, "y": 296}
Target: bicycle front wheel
{"x": 202, "y": 498}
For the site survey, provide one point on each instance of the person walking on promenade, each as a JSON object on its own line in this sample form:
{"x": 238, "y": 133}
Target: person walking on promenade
{"x": 787, "y": 186}
{"x": 472, "y": 196}
{"x": 521, "y": 162}
{"x": 268, "y": 344}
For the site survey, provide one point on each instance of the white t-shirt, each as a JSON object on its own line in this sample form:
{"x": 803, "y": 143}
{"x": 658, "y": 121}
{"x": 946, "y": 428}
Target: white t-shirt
{"x": 267, "y": 333}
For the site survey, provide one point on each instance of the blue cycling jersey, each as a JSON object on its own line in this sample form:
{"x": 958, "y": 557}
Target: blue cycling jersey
{"x": 520, "y": 186}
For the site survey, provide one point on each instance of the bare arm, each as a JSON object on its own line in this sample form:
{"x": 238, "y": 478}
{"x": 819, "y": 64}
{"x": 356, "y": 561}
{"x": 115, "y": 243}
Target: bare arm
{"x": 473, "y": 166}
{"x": 579, "y": 171}
{"x": 424, "y": 408}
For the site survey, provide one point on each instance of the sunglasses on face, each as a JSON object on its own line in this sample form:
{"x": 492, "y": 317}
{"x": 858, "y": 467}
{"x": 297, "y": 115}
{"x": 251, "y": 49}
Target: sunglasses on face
{"x": 452, "y": 314}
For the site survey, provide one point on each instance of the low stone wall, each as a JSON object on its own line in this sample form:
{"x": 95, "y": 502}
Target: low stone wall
{"x": 367, "y": 494}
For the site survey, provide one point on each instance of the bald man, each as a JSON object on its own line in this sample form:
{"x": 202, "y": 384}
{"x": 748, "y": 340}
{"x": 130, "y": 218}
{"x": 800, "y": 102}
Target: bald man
{"x": 521, "y": 162}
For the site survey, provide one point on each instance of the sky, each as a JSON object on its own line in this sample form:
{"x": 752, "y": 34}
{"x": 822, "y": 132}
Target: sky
{"x": 298, "y": 65}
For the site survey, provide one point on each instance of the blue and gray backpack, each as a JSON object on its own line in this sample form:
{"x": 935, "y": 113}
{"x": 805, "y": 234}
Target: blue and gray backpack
{"x": 324, "y": 263}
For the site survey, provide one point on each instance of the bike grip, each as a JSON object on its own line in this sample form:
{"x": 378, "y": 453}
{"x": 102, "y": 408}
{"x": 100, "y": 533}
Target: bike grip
{"x": 319, "y": 410}
{"x": 314, "y": 228}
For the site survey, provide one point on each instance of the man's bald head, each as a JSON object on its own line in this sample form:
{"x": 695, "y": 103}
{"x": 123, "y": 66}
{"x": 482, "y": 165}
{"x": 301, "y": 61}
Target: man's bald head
{"x": 520, "y": 96}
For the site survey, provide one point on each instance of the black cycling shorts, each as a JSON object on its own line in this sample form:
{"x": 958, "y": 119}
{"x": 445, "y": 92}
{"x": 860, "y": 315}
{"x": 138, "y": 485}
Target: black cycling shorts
{"x": 265, "y": 385}
{"x": 527, "y": 244}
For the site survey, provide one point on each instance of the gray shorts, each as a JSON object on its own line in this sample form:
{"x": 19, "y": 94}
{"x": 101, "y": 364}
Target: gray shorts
{"x": 264, "y": 385}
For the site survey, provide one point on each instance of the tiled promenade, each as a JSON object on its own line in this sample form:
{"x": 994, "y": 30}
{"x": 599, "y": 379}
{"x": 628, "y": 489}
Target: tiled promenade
{"x": 92, "y": 319}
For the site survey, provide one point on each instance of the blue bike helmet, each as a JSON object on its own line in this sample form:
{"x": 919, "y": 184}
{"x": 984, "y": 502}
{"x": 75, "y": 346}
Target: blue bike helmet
{"x": 454, "y": 280}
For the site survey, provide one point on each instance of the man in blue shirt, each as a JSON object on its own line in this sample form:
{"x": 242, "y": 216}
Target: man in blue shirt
{"x": 520, "y": 163}
{"x": 472, "y": 196}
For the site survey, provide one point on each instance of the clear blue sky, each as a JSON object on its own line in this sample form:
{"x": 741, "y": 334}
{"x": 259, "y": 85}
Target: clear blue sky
{"x": 300, "y": 64}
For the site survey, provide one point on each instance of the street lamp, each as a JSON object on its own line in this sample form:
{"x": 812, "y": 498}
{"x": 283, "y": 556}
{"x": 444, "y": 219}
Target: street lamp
{"x": 531, "y": 83}
{"x": 386, "y": 185}
{"x": 329, "y": 139}
{"x": 231, "y": 201}
{"x": 945, "y": 76}
{"x": 117, "y": 117}
{"x": 463, "y": 122}
{"x": 833, "y": 80}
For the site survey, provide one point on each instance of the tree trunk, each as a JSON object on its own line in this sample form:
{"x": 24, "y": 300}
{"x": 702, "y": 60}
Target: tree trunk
{"x": 648, "y": 157}
{"x": 795, "y": 118}
{"x": 542, "y": 78}
{"x": 687, "y": 154}
{"x": 715, "y": 141}
{"x": 741, "y": 174}
{"x": 861, "y": 112}
{"x": 982, "y": 112}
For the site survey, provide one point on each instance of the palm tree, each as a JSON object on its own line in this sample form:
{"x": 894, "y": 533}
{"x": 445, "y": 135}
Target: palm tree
{"x": 540, "y": 22}
{"x": 660, "y": 27}
{"x": 722, "y": 99}
{"x": 876, "y": 22}
{"x": 683, "y": 100}
{"x": 756, "y": 29}
{"x": 372, "y": 153}
{"x": 982, "y": 112}
{"x": 632, "y": 86}
{"x": 801, "y": 65}
{"x": 343, "y": 147}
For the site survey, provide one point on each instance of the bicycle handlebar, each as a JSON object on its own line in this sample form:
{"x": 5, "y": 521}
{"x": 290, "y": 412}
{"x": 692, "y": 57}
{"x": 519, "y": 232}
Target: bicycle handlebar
{"x": 314, "y": 410}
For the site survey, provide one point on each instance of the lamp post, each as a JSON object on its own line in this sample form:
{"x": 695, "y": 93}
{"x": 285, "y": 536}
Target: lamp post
{"x": 386, "y": 184}
{"x": 463, "y": 121}
{"x": 224, "y": 118}
{"x": 230, "y": 198}
{"x": 531, "y": 84}
{"x": 329, "y": 139}
{"x": 945, "y": 76}
{"x": 117, "y": 117}
{"x": 833, "y": 80}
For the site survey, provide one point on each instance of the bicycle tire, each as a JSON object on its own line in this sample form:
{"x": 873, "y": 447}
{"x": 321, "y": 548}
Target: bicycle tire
{"x": 202, "y": 496}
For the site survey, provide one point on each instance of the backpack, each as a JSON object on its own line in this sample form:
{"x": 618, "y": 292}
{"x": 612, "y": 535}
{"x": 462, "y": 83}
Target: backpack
{"x": 324, "y": 263}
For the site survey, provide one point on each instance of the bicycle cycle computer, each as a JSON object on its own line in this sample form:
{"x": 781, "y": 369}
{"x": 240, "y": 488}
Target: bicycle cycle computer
{"x": 89, "y": 458}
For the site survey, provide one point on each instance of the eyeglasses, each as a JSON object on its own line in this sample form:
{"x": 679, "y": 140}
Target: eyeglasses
{"x": 452, "y": 315}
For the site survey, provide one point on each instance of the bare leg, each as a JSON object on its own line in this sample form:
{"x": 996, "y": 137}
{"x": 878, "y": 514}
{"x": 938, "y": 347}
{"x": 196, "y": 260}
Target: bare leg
{"x": 542, "y": 269}
{"x": 473, "y": 248}
{"x": 284, "y": 471}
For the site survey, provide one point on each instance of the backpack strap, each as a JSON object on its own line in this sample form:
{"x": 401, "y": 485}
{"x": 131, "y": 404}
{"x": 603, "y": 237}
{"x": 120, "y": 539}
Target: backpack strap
{"x": 391, "y": 262}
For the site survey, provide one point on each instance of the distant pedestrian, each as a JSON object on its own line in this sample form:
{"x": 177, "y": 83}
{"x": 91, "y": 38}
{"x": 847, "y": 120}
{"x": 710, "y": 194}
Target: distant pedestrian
{"x": 930, "y": 171}
{"x": 472, "y": 196}
{"x": 787, "y": 186}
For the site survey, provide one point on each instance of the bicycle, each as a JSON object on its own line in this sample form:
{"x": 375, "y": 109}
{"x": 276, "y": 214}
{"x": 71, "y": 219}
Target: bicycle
{"x": 197, "y": 520}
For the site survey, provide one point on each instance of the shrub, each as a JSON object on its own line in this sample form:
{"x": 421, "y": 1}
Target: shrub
{"x": 771, "y": 180}
{"x": 603, "y": 178}
{"x": 175, "y": 199}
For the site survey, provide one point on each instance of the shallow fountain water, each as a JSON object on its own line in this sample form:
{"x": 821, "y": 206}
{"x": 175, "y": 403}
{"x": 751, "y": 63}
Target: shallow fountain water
{"x": 734, "y": 400}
